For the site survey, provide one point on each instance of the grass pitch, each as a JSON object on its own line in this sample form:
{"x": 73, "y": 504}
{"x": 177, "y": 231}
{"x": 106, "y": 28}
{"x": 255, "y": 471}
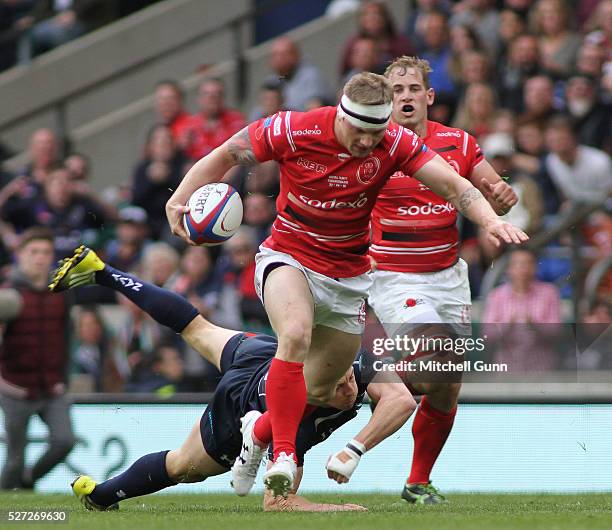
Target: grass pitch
{"x": 206, "y": 511}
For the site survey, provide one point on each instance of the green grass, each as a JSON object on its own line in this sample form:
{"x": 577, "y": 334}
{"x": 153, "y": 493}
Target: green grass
{"x": 479, "y": 512}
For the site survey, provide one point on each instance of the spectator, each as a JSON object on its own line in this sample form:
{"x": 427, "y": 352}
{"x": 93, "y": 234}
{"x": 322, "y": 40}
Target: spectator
{"x": 131, "y": 236}
{"x": 54, "y": 23}
{"x": 94, "y": 368}
{"x": 196, "y": 281}
{"x": 12, "y": 13}
{"x": 78, "y": 164}
{"x": 436, "y": 49}
{"x": 301, "y": 81}
{"x": 558, "y": 44}
{"x": 376, "y": 22}
{"x": 33, "y": 362}
{"x": 499, "y": 149}
{"x": 259, "y": 212}
{"x": 538, "y": 99}
{"x": 270, "y": 101}
{"x": 73, "y": 218}
{"x": 160, "y": 262}
{"x": 240, "y": 277}
{"x": 581, "y": 173}
{"x": 593, "y": 119}
{"x": 484, "y": 18}
{"x": 156, "y": 177}
{"x": 137, "y": 338}
{"x": 213, "y": 124}
{"x": 523, "y": 307}
{"x": 169, "y": 107}
{"x": 504, "y": 122}
{"x": 511, "y": 25}
{"x": 475, "y": 115}
{"x": 600, "y": 22}
{"x": 164, "y": 375}
{"x": 530, "y": 158}
{"x": 44, "y": 157}
{"x": 463, "y": 40}
{"x": 475, "y": 68}
{"x": 521, "y": 63}
{"x": 415, "y": 22}
{"x": 591, "y": 60}
{"x": 364, "y": 57}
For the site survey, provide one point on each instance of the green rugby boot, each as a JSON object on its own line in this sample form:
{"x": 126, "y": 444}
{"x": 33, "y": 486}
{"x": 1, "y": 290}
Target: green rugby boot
{"x": 82, "y": 488}
{"x": 76, "y": 271}
{"x": 422, "y": 494}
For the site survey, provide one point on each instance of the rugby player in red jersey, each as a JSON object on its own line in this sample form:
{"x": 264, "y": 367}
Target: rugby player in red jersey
{"x": 419, "y": 277}
{"x": 312, "y": 271}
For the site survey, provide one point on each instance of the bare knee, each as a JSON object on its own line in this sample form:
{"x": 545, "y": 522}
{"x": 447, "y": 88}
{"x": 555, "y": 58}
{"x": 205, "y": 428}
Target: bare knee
{"x": 180, "y": 469}
{"x": 294, "y": 342}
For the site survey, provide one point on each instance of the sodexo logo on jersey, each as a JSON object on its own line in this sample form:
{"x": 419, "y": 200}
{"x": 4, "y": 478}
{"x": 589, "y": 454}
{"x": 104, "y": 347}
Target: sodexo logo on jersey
{"x": 307, "y": 132}
{"x": 426, "y": 209}
{"x": 335, "y": 204}
{"x": 454, "y": 134}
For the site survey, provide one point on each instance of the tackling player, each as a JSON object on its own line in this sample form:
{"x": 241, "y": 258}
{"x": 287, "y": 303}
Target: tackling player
{"x": 244, "y": 359}
{"x": 311, "y": 271}
{"x": 419, "y": 278}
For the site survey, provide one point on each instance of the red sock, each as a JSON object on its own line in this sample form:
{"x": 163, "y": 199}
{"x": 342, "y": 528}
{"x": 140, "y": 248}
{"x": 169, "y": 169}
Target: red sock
{"x": 430, "y": 430}
{"x": 286, "y": 402}
{"x": 262, "y": 430}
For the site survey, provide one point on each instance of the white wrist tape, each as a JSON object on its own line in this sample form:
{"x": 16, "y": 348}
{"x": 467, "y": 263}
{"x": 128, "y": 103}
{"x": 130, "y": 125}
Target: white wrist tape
{"x": 355, "y": 450}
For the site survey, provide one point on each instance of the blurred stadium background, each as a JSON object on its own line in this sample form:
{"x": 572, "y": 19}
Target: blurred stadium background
{"x": 99, "y": 122}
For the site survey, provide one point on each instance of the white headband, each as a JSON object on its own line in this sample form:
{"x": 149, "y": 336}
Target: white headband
{"x": 365, "y": 116}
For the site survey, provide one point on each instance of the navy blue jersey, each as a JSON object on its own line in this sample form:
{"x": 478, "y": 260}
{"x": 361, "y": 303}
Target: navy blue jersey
{"x": 244, "y": 364}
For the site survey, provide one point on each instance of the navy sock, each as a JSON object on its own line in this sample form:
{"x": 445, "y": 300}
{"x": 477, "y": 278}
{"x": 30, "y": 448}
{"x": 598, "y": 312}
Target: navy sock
{"x": 166, "y": 307}
{"x": 147, "y": 475}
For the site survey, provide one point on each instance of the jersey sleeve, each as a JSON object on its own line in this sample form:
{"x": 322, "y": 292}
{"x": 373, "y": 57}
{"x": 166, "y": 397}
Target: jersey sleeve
{"x": 412, "y": 153}
{"x": 473, "y": 153}
{"x": 270, "y": 137}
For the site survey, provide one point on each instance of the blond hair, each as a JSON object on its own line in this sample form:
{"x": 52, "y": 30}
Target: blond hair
{"x": 367, "y": 88}
{"x": 407, "y": 61}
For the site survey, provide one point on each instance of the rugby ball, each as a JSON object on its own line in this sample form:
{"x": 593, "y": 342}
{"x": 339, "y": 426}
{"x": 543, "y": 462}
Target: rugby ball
{"x": 215, "y": 213}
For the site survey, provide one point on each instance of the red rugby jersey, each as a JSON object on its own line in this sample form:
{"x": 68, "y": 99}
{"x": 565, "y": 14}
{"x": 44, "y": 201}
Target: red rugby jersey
{"x": 413, "y": 229}
{"x": 327, "y": 195}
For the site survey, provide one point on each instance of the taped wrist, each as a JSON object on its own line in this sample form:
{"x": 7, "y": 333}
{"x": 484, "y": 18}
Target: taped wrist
{"x": 355, "y": 447}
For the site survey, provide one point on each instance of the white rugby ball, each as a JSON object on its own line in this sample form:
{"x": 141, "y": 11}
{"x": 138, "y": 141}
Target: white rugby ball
{"x": 215, "y": 214}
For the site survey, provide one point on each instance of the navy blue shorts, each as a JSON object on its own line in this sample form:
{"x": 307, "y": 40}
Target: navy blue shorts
{"x": 244, "y": 362}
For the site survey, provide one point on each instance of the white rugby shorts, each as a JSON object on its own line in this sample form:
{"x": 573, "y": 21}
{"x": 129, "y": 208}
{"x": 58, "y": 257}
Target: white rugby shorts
{"x": 401, "y": 298}
{"x": 340, "y": 303}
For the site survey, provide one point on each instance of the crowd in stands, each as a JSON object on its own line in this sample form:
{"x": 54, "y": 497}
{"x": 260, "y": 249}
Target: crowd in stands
{"x": 530, "y": 79}
{"x": 29, "y": 28}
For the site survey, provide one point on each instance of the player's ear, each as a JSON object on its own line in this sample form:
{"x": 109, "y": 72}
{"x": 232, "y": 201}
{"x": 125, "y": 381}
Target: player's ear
{"x": 431, "y": 96}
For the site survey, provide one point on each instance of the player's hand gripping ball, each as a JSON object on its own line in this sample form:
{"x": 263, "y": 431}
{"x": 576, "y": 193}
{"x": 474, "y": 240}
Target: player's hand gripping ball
{"x": 215, "y": 214}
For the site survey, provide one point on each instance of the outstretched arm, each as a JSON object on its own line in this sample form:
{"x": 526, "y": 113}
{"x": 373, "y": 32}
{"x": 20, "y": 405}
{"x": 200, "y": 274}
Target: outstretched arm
{"x": 394, "y": 405}
{"x": 440, "y": 178}
{"x": 237, "y": 151}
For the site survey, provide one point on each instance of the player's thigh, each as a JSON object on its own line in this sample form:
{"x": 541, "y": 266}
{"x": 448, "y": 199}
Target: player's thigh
{"x": 290, "y": 307}
{"x": 191, "y": 462}
{"x": 331, "y": 354}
